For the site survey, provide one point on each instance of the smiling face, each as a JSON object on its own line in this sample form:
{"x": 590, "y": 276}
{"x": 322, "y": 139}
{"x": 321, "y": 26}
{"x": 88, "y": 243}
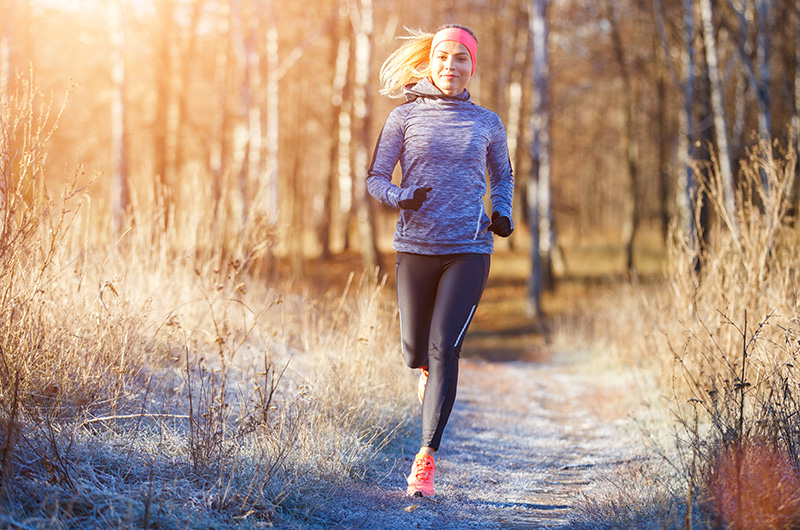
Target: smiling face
{"x": 451, "y": 67}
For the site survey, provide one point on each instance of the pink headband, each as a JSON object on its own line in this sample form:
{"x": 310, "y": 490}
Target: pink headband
{"x": 457, "y": 35}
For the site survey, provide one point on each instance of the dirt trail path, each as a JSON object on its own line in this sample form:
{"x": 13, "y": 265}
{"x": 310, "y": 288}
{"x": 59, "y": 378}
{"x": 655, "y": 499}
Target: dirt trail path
{"x": 530, "y": 431}
{"x": 521, "y": 445}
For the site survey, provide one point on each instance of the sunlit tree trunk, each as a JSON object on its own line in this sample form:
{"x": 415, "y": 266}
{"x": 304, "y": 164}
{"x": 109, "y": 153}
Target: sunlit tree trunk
{"x": 663, "y": 138}
{"x": 221, "y": 153}
{"x": 270, "y": 119}
{"x": 758, "y": 72}
{"x": 762, "y": 64}
{"x": 514, "y": 127}
{"x": 6, "y": 77}
{"x": 718, "y": 111}
{"x": 161, "y": 122}
{"x": 539, "y": 187}
{"x": 513, "y": 54}
{"x": 683, "y": 77}
{"x": 345, "y": 141}
{"x": 362, "y": 14}
{"x": 340, "y": 55}
{"x": 248, "y": 134}
{"x": 182, "y": 120}
{"x": 120, "y": 191}
{"x": 630, "y": 209}
{"x": 298, "y": 183}
{"x": 687, "y": 186}
{"x": 6, "y": 44}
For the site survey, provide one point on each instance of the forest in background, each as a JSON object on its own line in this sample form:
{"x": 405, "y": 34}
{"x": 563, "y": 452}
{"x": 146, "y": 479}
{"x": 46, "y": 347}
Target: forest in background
{"x": 268, "y": 110}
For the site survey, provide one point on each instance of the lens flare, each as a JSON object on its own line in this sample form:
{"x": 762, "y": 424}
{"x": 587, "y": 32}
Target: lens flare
{"x": 755, "y": 486}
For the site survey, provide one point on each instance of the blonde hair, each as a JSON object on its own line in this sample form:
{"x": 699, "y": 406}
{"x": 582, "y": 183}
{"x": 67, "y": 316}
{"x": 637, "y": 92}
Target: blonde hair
{"x": 411, "y": 61}
{"x": 408, "y": 63}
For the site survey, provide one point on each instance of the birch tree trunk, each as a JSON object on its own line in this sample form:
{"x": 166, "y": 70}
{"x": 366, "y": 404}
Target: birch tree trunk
{"x": 6, "y": 87}
{"x": 6, "y": 44}
{"x": 248, "y": 135}
{"x": 762, "y": 65}
{"x": 687, "y": 187}
{"x": 221, "y": 152}
{"x": 362, "y": 13}
{"x": 241, "y": 102}
{"x": 758, "y": 74}
{"x": 271, "y": 117}
{"x": 345, "y": 141}
{"x": 539, "y": 187}
{"x": 163, "y": 77}
{"x": 184, "y": 89}
{"x": 718, "y": 110}
{"x": 669, "y": 72}
{"x": 514, "y": 130}
{"x": 340, "y": 49}
{"x": 662, "y": 84}
{"x": 120, "y": 190}
{"x": 630, "y": 208}
{"x": 683, "y": 77}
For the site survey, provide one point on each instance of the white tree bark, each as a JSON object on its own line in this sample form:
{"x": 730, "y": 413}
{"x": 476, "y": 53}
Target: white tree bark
{"x": 361, "y": 12}
{"x": 758, "y": 73}
{"x": 687, "y": 187}
{"x": 271, "y": 131}
{"x": 762, "y": 64}
{"x": 718, "y": 109}
{"x": 630, "y": 221}
{"x": 6, "y": 39}
{"x": 341, "y": 57}
{"x": 120, "y": 191}
{"x": 539, "y": 186}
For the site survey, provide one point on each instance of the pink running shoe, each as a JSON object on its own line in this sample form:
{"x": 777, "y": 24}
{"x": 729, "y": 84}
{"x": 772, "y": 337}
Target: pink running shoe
{"x": 420, "y": 481}
{"x": 423, "y": 380}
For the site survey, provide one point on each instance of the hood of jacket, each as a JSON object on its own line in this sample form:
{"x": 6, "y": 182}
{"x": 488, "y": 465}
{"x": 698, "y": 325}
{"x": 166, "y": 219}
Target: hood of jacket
{"x": 426, "y": 89}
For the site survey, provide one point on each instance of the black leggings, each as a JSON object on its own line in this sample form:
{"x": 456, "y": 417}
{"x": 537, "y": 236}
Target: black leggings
{"x": 437, "y": 296}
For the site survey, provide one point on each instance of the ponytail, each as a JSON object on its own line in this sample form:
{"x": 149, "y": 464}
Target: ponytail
{"x": 409, "y": 63}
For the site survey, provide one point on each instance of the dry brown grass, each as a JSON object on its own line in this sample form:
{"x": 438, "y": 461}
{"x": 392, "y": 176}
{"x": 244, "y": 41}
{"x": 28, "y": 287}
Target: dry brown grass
{"x": 163, "y": 377}
{"x": 713, "y": 350}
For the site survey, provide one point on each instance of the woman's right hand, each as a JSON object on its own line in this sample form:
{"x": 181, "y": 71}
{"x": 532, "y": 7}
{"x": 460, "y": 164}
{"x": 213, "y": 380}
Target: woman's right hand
{"x": 501, "y": 225}
{"x": 420, "y": 194}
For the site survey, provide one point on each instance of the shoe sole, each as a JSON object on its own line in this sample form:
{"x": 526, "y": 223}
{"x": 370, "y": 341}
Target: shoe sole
{"x": 415, "y": 492}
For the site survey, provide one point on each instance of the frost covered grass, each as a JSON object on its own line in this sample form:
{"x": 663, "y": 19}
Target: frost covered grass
{"x": 167, "y": 378}
{"x": 714, "y": 349}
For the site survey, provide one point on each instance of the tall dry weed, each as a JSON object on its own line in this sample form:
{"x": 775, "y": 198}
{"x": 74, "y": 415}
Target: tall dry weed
{"x": 728, "y": 326}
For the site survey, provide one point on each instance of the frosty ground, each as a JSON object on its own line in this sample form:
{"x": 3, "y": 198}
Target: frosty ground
{"x": 525, "y": 440}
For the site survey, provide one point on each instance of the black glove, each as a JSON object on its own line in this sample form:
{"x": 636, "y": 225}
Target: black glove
{"x": 501, "y": 225}
{"x": 420, "y": 194}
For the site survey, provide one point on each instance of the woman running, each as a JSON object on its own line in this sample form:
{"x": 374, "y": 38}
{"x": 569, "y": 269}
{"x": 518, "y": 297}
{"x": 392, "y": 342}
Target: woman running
{"x": 445, "y": 144}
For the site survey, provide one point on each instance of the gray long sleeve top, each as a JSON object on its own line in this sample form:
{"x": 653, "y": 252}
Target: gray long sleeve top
{"x": 446, "y": 143}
